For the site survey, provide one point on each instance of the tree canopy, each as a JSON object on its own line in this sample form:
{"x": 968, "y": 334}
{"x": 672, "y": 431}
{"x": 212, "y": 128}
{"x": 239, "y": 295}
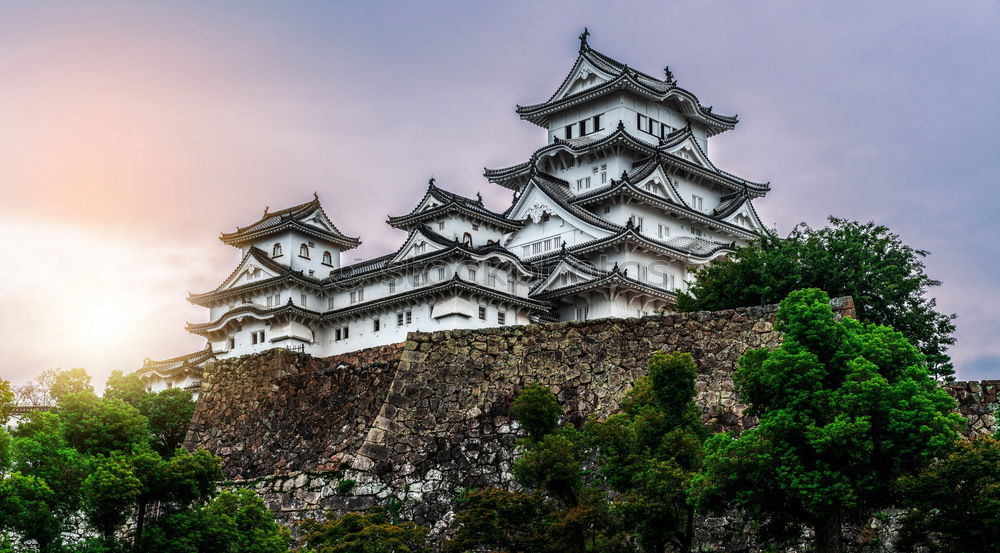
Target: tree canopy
{"x": 845, "y": 409}
{"x": 885, "y": 277}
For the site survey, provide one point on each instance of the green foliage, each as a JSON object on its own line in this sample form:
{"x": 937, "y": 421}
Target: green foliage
{"x": 39, "y": 448}
{"x": 26, "y": 507}
{"x": 866, "y": 261}
{"x": 127, "y": 387}
{"x": 553, "y": 465}
{"x": 502, "y": 520}
{"x": 650, "y": 452}
{"x": 373, "y": 532}
{"x": 7, "y": 401}
{"x": 109, "y": 492}
{"x": 169, "y": 413}
{"x": 845, "y": 409}
{"x": 69, "y": 382}
{"x": 536, "y": 410}
{"x": 233, "y": 522}
{"x": 345, "y": 486}
{"x": 101, "y": 426}
{"x": 954, "y": 505}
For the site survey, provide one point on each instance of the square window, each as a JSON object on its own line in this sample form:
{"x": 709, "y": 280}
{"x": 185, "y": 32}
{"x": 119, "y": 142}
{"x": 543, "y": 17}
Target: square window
{"x": 475, "y": 226}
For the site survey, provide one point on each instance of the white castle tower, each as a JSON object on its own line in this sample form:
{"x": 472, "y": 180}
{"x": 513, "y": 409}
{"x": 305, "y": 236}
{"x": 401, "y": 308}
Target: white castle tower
{"x": 608, "y": 219}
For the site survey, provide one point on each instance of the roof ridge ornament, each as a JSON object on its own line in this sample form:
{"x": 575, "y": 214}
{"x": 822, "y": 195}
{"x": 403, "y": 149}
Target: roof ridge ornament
{"x": 315, "y": 196}
{"x": 479, "y": 198}
{"x": 621, "y": 125}
{"x": 430, "y": 183}
{"x": 583, "y": 40}
{"x": 670, "y": 80}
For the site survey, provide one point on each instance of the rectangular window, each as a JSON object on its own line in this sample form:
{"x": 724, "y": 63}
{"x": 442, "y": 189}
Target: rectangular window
{"x": 336, "y": 335}
{"x": 303, "y": 299}
{"x": 696, "y": 231}
{"x": 525, "y": 251}
{"x": 329, "y": 303}
{"x": 376, "y": 325}
{"x": 510, "y": 285}
{"x": 583, "y": 127}
{"x": 586, "y": 182}
{"x": 643, "y": 272}
{"x": 696, "y": 201}
{"x": 409, "y": 317}
{"x": 475, "y": 226}
{"x": 597, "y": 123}
{"x": 547, "y": 245}
{"x": 491, "y": 281}
{"x": 399, "y": 319}
{"x": 345, "y": 332}
{"x": 472, "y": 275}
{"x": 482, "y": 313}
{"x": 232, "y": 343}
{"x": 604, "y": 177}
{"x": 607, "y": 209}
{"x": 440, "y": 225}
{"x": 269, "y": 300}
{"x": 569, "y": 131}
{"x": 392, "y": 287}
{"x": 594, "y": 169}
{"x": 581, "y": 313}
{"x": 668, "y": 281}
{"x": 441, "y": 274}
{"x": 536, "y": 248}
{"x": 556, "y": 242}
{"x": 501, "y": 317}
{"x": 640, "y": 121}
{"x": 663, "y": 231}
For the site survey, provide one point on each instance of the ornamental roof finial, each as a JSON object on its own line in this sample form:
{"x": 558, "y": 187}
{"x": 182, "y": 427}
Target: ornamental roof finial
{"x": 669, "y": 75}
{"x": 266, "y": 209}
{"x": 615, "y": 269}
{"x": 430, "y": 182}
{"x": 583, "y": 39}
{"x": 479, "y": 198}
{"x": 563, "y": 252}
{"x": 315, "y": 196}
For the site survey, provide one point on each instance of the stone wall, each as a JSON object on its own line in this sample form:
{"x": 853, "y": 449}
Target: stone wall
{"x": 421, "y": 420}
{"x": 977, "y": 402}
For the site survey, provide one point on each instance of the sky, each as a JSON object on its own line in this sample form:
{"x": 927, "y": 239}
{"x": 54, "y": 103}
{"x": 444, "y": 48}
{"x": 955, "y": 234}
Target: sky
{"x": 133, "y": 133}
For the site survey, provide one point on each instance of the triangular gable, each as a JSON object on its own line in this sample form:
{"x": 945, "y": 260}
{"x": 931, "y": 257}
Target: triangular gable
{"x": 318, "y": 219}
{"x": 584, "y": 75}
{"x": 416, "y": 244}
{"x": 564, "y": 274}
{"x": 688, "y": 149}
{"x": 663, "y": 186}
{"x": 533, "y": 203}
{"x": 249, "y": 271}
{"x": 746, "y": 217}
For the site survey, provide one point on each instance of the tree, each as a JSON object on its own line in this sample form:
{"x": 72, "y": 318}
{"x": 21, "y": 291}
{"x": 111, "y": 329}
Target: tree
{"x": 372, "y": 532}
{"x": 866, "y": 261}
{"x": 650, "y": 452}
{"x": 953, "y": 506}
{"x": 536, "y": 410}
{"x": 127, "y": 387}
{"x": 36, "y": 392}
{"x": 502, "y": 520}
{"x": 68, "y": 382}
{"x": 26, "y": 507}
{"x": 7, "y": 401}
{"x": 234, "y": 521}
{"x": 109, "y": 494}
{"x": 169, "y": 413}
{"x": 39, "y": 449}
{"x": 845, "y": 408}
{"x": 94, "y": 425}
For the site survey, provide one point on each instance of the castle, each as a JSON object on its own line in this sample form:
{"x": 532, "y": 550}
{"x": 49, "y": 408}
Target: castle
{"x": 608, "y": 219}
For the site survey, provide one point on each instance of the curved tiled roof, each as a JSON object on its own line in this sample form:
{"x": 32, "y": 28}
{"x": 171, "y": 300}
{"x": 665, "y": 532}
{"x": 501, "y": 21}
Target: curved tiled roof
{"x": 682, "y": 246}
{"x": 616, "y": 277}
{"x": 625, "y": 78}
{"x": 190, "y": 362}
{"x": 291, "y": 217}
{"x": 452, "y": 203}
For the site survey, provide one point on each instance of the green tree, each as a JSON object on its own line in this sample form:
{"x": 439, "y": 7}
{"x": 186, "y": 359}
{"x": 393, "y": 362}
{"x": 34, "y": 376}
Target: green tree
{"x": 372, "y": 532}
{"x": 845, "y": 408}
{"x": 953, "y": 506}
{"x": 885, "y": 277}
{"x": 94, "y": 425}
{"x": 26, "y": 507}
{"x": 7, "y": 401}
{"x": 650, "y": 452}
{"x": 169, "y": 413}
{"x": 233, "y": 522}
{"x": 536, "y": 410}
{"x": 69, "y": 381}
{"x": 502, "y": 520}
{"x": 39, "y": 449}
{"x": 127, "y": 387}
{"x": 109, "y": 493}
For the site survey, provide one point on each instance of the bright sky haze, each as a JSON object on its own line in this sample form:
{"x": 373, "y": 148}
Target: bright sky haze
{"x": 132, "y": 134}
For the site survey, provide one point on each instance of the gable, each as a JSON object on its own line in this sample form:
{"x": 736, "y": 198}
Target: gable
{"x": 249, "y": 271}
{"x": 660, "y": 185}
{"x": 745, "y": 217}
{"x": 562, "y": 276}
{"x": 689, "y": 150}
{"x": 584, "y": 75}
{"x": 416, "y": 244}
{"x": 535, "y": 206}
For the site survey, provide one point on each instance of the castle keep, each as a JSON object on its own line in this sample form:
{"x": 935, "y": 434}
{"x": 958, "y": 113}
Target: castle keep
{"x": 607, "y": 219}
